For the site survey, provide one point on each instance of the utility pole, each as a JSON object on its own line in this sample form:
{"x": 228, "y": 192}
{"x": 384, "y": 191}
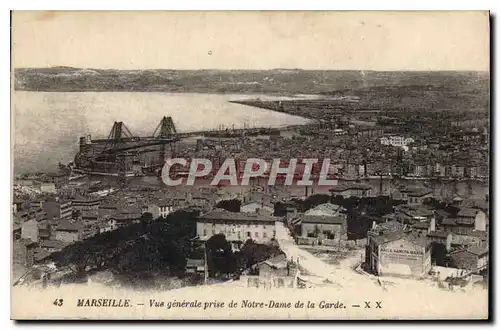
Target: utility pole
{"x": 206, "y": 263}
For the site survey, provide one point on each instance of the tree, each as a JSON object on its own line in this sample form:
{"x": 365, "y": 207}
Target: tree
{"x": 279, "y": 209}
{"x": 148, "y": 247}
{"x": 220, "y": 257}
{"x": 315, "y": 200}
{"x": 231, "y": 205}
{"x": 252, "y": 253}
{"x": 77, "y": 257}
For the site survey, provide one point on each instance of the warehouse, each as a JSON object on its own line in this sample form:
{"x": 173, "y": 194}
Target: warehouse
{"x": 398, "y": 254}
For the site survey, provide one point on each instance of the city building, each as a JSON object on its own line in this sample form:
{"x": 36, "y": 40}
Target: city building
{"x": 324, "y": 227}
{"x": 16, "y": 231}
{"x": 473, "y": 258}
{"x": 411, "y": 214}
{"x": 417, "y": 196}
{"x": 440, "y": 237}
{"x": 347, "y": 191}
{"x": 195, "y": 266}
{"x": 327, "y": 209}
{"x": 29, "y": 230}
{"x": 69, "y": 232}
{"x": 466, "y": 222}
{"x": 396, "y": 141}
{"x": 52, "y": 245}
{"x": 61, "y": 209}
{"x": 477, "y": 217}
{"x": 160, "y": 209}
{"x": 122, "y": 219}
{"x": 236, "y": 227}
{"x": 86, "y": 204}
{"x": 24, "y": 251}
{"x": 264, "y": 207}
{"x": 398, "y": 254}
{"x": 277, "y": 272}
{"x": 48, "y": 187}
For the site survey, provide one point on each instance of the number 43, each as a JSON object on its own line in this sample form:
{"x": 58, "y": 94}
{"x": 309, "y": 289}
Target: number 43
{"x": 58, "y": 302}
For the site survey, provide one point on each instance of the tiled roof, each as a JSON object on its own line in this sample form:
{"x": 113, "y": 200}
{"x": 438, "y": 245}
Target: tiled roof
{"x": 442, "y": 213}
{"x": 327, "y": 209}
{"x": 323, "y": 219}
{"x": 277, "y": 262}
{"x": 469, "y": 213}
{"x": 392, "y": 236}
{"x": 52, "y": 244}
{"x": 390, "y": 226}
{"x": 479, "y": 251}
{"x": 420, "y": 225}
{"x": 449, "y": 222}
{"x": 42, "y": 254}
{"x": 221, "y": 214}
{"x": 65, "y": 225}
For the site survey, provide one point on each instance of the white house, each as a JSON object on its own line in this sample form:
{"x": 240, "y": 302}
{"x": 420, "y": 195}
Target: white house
{"x": 396, "y": 141}
{"x": 260, "y": 207}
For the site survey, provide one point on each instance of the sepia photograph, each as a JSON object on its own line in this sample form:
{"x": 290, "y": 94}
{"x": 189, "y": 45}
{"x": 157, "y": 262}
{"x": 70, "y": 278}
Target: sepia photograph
{"x": 258, "y": 165}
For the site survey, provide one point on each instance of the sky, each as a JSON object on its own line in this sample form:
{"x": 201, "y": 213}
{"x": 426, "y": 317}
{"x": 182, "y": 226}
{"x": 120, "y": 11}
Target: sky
{"x": 252, "y": 40}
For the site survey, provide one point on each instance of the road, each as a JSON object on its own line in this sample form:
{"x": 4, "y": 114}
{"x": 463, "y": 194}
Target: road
{"x": 342, "y": 274}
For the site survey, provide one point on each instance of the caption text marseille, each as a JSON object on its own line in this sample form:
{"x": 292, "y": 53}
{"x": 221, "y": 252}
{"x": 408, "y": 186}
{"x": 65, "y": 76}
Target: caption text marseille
{"x": 253, "y": 168}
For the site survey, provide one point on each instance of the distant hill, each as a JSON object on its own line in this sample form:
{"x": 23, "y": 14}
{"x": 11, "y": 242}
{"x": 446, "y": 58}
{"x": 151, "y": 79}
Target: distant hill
{"x": 279, "y": 81}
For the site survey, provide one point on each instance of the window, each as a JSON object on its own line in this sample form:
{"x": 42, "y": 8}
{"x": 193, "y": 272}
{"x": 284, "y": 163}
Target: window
{"x": 256, "y": 234}
{"x": 204, "y": 232}
{"x": 248, "y": 234}
{"x": 265, "y": 235}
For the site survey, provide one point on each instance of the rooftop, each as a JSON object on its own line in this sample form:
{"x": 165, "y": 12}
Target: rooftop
{"x": 324, "y": 219}
{"x": 479, "y": 251}
{"x": 476, "y": 250}
{"x": 469, "y": 213}
{"x": 420, "y": 225}
{"x": 418, "y": 192}
{"x": 65, "y": 225}
{"x": 390, "y": 226}
{"x": 326, "y": 209}
{"x": 417, "y": 239}
{"x": 277, "y": 262}
{"x": 54, "y": 244}
{"x": 221, "y": 214}
{"x": 42, "y": 254}
{"x": 415, "y": 211}
{"x": 449, "y": 222}
{"x": 345, "y": 187}
{"x": 442, "y": 213}
{"x": 126, "y": 216}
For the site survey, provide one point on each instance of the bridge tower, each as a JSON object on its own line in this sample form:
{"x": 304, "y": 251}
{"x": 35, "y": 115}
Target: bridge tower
{"x": 117, "y": 137}
{"x": 165, "y": 130}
